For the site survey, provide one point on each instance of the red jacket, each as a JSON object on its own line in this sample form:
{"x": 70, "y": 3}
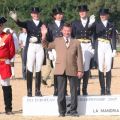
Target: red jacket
{"x": 7, "y": 51}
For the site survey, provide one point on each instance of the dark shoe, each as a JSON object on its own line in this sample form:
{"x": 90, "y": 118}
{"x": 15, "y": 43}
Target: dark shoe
{"x": 44, "y": 82}
{"x": 29, "y": 94}
{"x": 102, "y": 92}
{"x": 74, "y": 115}
{"x": 85, "y": 92}
{"x": 9, "y": 113}
{"x": 62, "y": 115}
{"x": 38, "y": 93}
{"x": 78, "y": 92}
{"x": 108, "y": 93}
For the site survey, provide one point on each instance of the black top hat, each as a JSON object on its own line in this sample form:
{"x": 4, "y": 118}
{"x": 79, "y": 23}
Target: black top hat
{"x": 57, "y": 10}
{"x": 35, "y": 10}
{"x": 2, "y": 20}
{"x": 104, "y": 11}
{"x": 83, "y": 8}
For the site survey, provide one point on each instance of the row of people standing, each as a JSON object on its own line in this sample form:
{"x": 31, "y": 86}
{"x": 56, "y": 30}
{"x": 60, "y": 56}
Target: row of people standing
{"x": 103, "y": 40}
{"x": 98, "y": 40}
{"x": 91, "y": 35}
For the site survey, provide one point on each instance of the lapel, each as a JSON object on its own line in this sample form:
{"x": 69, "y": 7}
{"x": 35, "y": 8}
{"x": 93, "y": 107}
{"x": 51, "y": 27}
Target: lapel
{"x": 56, "y": 27}
{"x": 104, "y": 26}
{"x": 86, "y": 26}
{"x": 34, "y": 25}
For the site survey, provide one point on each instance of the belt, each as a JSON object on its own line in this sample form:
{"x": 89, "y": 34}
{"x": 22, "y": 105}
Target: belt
{"x": 84, "y": 40}
{"x": 103, "y": 40}
{"x": 2, "y": 59}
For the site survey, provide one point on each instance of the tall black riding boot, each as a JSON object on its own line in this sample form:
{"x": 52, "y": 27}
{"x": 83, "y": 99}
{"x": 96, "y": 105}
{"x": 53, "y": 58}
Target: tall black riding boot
{"x": 55, "y": 86}
{"x": 7, "y": 93}
{"x": 102, "y": 82}
{"x": 85, "y": 82}
{"x": 38, "y": 84}
{"x": 78, "y": 86}
{"x": 29, "y": 83}
{"x": 108, "y": 82}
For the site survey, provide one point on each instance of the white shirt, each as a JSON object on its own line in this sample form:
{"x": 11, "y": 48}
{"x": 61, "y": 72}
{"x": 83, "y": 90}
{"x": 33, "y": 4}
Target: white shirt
{"x": 22, "y": 38}
{"x": 36, "y": 22}
{"x": 105, "y": 22}
{"x": 84, "y": 21}
{"x": 57, "y": 23}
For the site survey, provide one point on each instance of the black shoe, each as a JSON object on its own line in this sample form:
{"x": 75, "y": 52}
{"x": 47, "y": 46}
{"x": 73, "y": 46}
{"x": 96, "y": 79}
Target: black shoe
{"x": 102, "y": 92}
{"x": 85, "y": 93}
{"x": 62, "y": 115}
{"x": 29, "y": 94}
{"x": 38, "y": 93}
{"x": 9, "y": 112}
{"x": 108, "y": 93}
{"x": 44, "y": 82}
{"x": 78, "y": 92}
{"x": 74, "y": 115}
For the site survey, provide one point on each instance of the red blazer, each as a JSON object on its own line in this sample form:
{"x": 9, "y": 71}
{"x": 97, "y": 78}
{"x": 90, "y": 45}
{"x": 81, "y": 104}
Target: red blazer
{"x": 7, "y": 51}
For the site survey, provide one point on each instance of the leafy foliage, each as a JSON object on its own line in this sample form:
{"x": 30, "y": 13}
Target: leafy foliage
{"x": 22, "y": 7}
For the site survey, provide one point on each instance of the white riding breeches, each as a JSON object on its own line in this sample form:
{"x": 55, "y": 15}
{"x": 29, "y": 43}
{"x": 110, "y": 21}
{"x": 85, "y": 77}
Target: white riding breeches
{"x": 5, "y": 82}
{"x": 104, "y": 56}
{"x": 35, "y": 57}
{"x": 87, "y": 55}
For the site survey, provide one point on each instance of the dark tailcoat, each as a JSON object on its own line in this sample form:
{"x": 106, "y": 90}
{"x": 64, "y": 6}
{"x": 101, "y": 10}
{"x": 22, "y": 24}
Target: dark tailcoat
{"x": 32, "y": 30}
{"x": 79, "y": 31}
{"x": 108, "y": 32}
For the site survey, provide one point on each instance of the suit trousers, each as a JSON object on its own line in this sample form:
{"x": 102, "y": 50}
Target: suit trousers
{"x": 61, "y": 79}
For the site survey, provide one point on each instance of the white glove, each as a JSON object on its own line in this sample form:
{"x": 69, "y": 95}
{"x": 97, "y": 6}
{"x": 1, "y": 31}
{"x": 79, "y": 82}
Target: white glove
{"x": 33, "y": 39}
{"x": 7, "y": 61}
{"x": 93, "y": 51}
{"x": 13, "y": 15}
{"x": 1, "y": 42}
{"x": 114, "y": 53}
{"x": 91, "y": 20}
{"x": 51, "y": 56}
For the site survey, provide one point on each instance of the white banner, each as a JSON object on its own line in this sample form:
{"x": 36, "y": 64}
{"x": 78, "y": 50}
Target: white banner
{"x": 89, "y": 105}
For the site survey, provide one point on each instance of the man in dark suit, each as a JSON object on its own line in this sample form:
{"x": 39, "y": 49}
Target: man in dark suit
{"x": 105, "y": 36}
{"x": 82, "y": 30}
{"x": 33, "y": 49}
{"x": 69, "y": 64}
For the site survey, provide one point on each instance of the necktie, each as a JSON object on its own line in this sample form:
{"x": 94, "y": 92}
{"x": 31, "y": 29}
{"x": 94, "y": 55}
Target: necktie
{"x": 67, "y": 42}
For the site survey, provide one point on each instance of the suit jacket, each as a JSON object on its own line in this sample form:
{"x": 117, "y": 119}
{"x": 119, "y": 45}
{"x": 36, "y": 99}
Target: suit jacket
{"x": 32, "y": 30}
{"x": 108, "y": 32}
{"x": 79, "y": 31}
{"x": 69, "y": 60}
{"x": 54, "y": 30}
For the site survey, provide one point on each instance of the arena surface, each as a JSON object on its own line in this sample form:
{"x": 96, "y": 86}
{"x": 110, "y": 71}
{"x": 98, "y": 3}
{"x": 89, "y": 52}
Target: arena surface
{"x": 19, "y": 90}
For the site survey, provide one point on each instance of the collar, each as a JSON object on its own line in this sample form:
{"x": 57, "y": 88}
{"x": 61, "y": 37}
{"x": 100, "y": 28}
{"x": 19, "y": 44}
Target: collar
{"x": 105, "y": 22}
{"x": 57, "y": 22}
{"x": 36, "y": 22}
